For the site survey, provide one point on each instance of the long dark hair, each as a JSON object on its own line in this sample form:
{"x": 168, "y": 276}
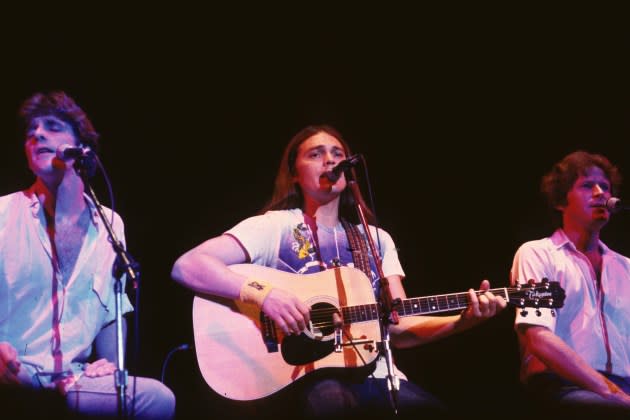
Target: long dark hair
{"x": 287, "y": 194}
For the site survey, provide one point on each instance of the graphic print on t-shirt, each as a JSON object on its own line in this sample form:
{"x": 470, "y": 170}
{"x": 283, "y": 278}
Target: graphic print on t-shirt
{"x": 301, "y": 253}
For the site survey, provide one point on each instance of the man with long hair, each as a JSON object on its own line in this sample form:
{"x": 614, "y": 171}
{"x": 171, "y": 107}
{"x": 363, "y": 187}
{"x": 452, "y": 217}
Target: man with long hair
{"x": 309, "y": 226}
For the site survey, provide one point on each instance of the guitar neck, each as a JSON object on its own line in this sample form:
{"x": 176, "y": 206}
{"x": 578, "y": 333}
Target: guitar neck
{"x": 418, "y": 306}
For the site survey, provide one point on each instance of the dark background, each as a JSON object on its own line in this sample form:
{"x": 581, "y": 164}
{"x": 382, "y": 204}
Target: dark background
{"x": 458, "y": 112}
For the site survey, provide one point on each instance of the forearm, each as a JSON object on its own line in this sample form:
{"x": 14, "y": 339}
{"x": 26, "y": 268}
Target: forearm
{"x": 419, "y": 330}
{"x": 204, "y": 274}
{"x": 204, "y": 269}
{"x": 565, "y": 362}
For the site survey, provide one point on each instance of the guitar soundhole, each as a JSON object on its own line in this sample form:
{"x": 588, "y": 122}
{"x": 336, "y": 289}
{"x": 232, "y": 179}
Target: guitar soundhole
{"x": 324, "y": 316}
{"x": 306, "y": 348}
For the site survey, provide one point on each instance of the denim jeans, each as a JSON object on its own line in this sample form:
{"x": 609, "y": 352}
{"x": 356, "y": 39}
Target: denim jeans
{"x": 146, "y": 398}
{"x": 564, "y": 397}
{"x": 369, "y": 398}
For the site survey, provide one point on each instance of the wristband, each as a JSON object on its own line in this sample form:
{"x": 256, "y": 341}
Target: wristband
{"x": 255, "y": 291}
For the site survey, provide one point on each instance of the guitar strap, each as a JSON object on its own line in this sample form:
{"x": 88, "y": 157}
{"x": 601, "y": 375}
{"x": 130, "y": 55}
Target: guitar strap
{"x": 361, "y": 259}
{"x": 358, "y": 247}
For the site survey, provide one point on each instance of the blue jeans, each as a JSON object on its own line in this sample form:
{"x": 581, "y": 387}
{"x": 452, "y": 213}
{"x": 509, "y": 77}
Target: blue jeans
{"x": 369, "y": 398}
{"x": 564, "y": 397}
{"x": 326, "y": 398}
{"x": 146, "y": 398}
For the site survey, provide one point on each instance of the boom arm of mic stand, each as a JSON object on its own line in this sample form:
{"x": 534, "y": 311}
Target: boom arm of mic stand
{"x": 388, "y": 314}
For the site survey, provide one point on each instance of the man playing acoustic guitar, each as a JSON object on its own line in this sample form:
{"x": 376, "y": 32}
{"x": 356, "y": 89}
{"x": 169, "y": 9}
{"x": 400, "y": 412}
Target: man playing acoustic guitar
{"x": 304, "y": 239}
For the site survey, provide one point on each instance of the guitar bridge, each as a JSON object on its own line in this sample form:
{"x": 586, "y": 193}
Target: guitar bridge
{"x": 339, "y": 345}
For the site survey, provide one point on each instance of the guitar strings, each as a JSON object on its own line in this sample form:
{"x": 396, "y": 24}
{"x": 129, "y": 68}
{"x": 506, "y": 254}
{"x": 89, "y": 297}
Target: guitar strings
{"x": 318, "y": 314}
{"x": 324, "y": 316}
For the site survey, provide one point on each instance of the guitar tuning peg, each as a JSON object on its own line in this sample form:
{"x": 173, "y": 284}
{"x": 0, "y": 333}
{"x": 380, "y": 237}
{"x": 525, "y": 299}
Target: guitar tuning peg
{"x": 523, "y": 313}
{"x": 553, "y": 313}
{"x": 531, "y": 282}
{"x": 538, "y": 313}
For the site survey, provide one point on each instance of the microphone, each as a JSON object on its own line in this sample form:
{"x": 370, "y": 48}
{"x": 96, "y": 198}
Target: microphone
{"x": 67, "y": 152}
{"x": 614, "y": 204}
{"x": 335, "y": 173}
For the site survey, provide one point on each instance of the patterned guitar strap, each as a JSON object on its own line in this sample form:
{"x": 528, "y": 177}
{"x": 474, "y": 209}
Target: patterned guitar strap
{"x": 360, "y": 254}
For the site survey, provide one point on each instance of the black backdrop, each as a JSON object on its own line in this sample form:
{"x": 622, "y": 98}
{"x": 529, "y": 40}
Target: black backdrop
{"x": 458, "y": 113}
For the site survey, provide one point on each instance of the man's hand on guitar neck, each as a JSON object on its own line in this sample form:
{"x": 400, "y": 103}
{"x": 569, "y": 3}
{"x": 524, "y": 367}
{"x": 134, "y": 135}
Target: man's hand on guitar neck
{"x": 481, "y": 307}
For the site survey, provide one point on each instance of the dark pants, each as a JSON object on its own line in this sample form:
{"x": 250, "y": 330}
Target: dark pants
{"x": 338, "y": 399}
{"x": 556, "y": 395}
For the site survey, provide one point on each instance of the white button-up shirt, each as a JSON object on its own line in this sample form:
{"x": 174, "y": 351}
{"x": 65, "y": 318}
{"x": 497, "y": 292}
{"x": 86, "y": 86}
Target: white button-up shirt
{"x": 53, "y": 323}
{"x": 598, "y": 336}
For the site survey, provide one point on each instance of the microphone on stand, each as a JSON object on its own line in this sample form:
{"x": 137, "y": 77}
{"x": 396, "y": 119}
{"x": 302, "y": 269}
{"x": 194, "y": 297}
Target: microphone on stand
{"x": 335, "y": 173}
{"x": 614, "y": 204}
{"x": 67, "y": 152}
{"x": 85, "y": 158}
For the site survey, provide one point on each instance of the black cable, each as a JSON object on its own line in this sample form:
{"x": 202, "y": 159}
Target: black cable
{"x": 169, "y": 355}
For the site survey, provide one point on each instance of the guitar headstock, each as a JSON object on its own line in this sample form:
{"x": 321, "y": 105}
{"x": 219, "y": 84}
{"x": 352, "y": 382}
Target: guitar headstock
{"x": 545, "y": 294}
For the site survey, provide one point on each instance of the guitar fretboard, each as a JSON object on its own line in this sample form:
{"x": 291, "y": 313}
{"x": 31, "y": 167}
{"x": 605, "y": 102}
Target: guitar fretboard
{"x": 417, "y": 306}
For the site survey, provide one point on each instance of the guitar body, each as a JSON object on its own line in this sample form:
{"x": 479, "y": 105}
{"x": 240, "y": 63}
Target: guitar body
{"x": 244, "y": 357}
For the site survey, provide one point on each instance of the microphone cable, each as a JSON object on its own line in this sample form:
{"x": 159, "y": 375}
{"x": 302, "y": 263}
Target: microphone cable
{"x": 168, "y": 357}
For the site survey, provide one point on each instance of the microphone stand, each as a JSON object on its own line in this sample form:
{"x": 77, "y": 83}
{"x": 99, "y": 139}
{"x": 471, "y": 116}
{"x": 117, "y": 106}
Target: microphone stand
{"x": 388, "y": 314}
{"x": 124, "y": 263}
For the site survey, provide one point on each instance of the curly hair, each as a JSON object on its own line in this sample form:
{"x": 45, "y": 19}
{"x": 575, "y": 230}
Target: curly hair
{"x": 62, "y": 106}
{"x": 559, "y": 180}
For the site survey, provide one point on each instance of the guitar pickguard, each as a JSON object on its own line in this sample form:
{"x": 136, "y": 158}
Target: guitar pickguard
{"x": 301, "y": 349}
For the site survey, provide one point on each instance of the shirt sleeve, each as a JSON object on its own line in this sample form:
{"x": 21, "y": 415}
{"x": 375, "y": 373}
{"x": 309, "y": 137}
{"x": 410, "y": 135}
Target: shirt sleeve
{"x": 259, "y": 235}
{"x": 532, "y": 262}
{"x": 389, "y": 253}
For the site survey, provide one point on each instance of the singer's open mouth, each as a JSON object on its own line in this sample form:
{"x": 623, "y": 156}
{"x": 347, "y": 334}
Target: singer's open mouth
{"x": 42, "y": 150}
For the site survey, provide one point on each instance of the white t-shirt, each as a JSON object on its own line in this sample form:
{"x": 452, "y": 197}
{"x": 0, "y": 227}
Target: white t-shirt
{"x": 282, "y": 239}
